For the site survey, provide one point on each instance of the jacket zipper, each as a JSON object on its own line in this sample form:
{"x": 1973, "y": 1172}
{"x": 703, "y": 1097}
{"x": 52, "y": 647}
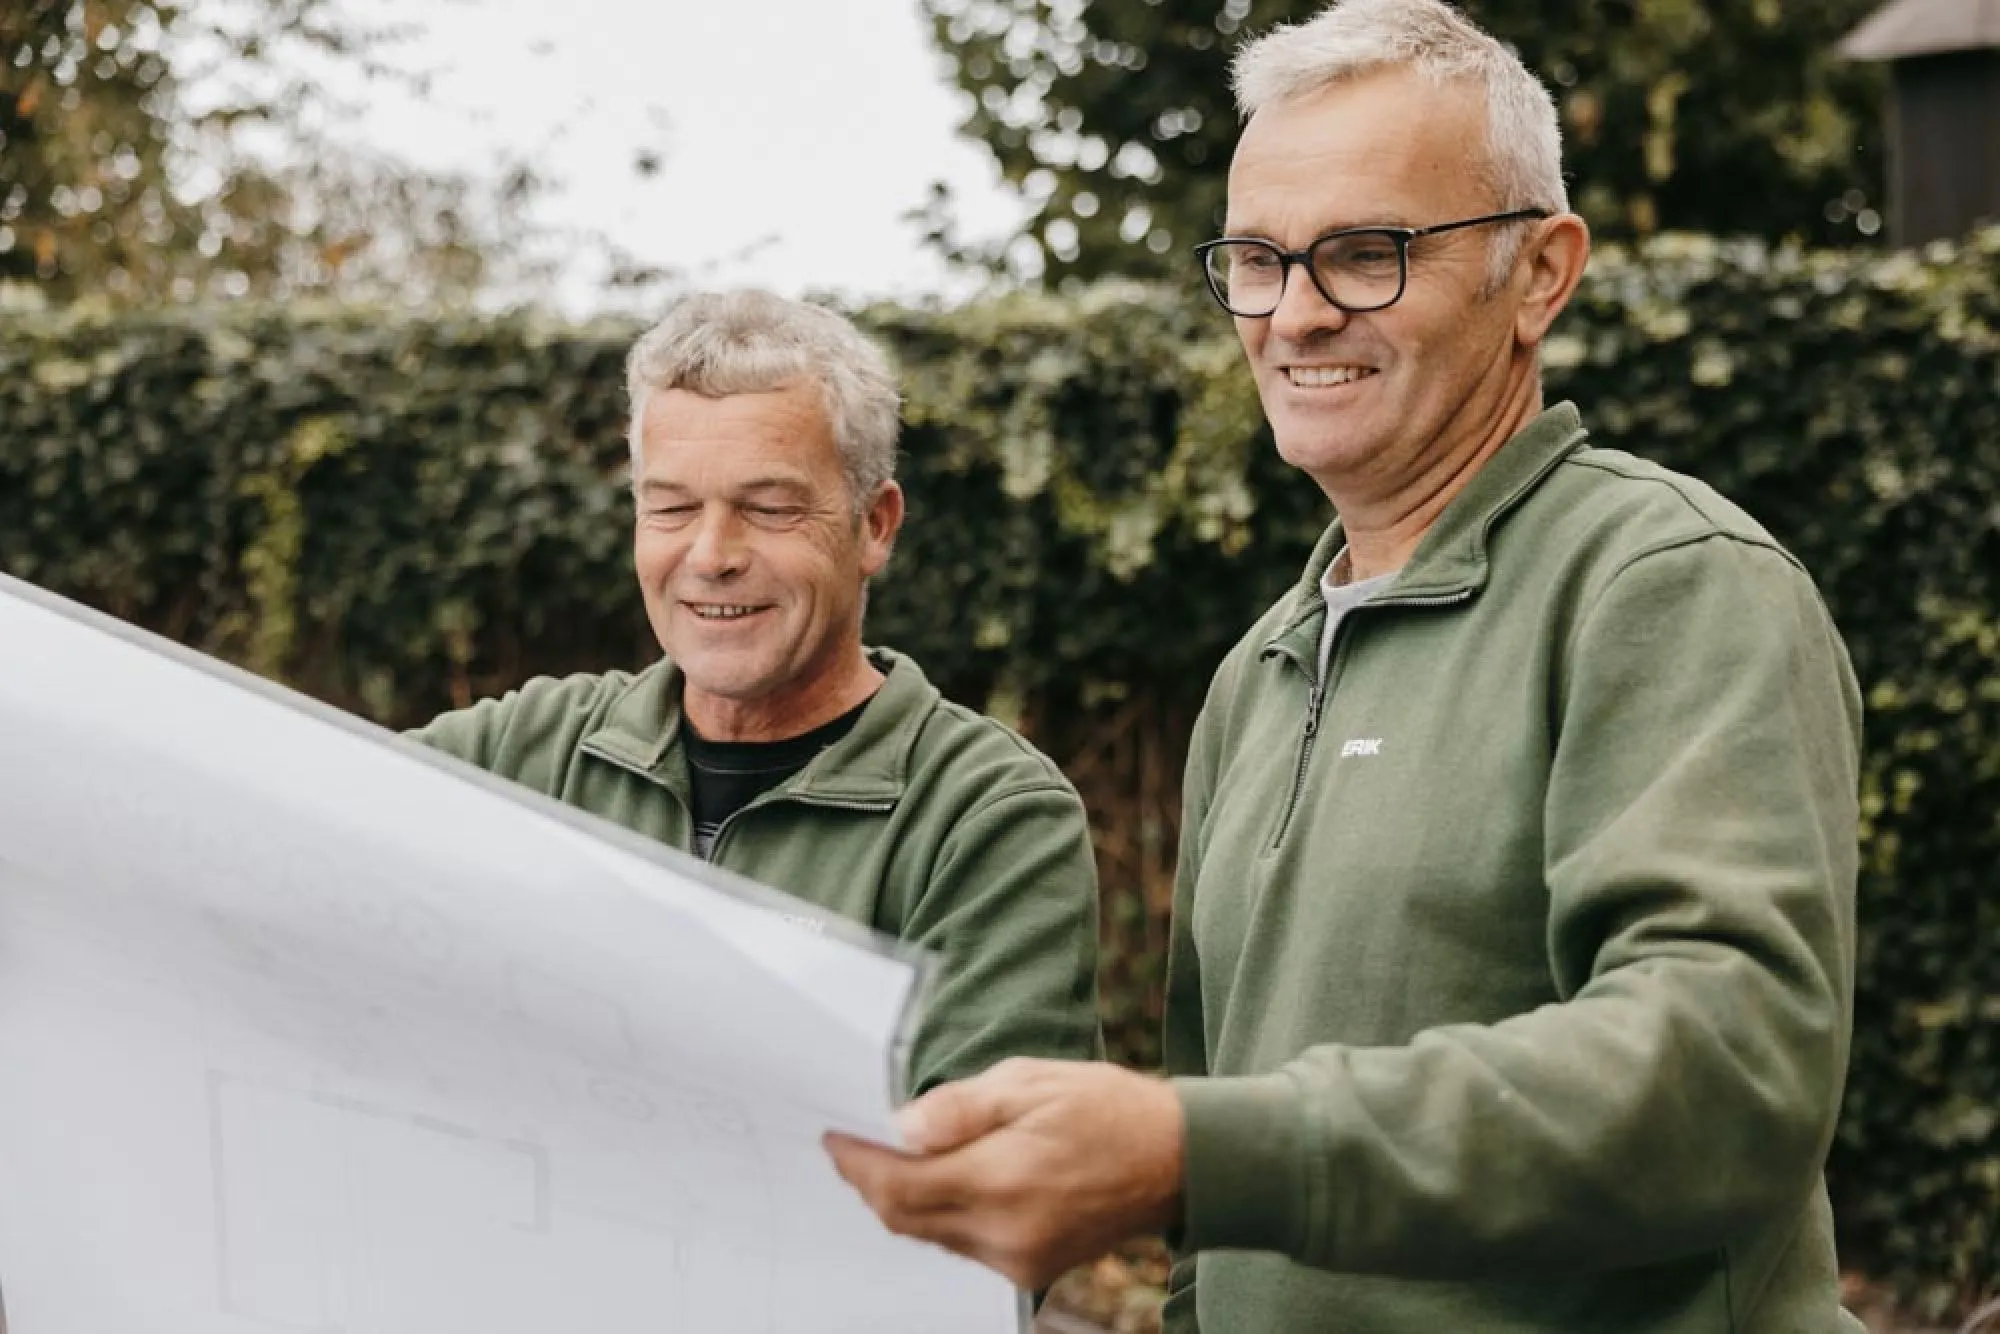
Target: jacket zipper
{"x": 1316, "y": 696}
{"x": 1313, "y": 697}
{"x": 1430, "y": 600}
{"x": 770, "y": 798}
{"x": 778, "y": 797}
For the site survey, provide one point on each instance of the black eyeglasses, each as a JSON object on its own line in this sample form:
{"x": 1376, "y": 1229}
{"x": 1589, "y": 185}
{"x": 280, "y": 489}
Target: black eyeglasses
{"x": 1357, "y": 269}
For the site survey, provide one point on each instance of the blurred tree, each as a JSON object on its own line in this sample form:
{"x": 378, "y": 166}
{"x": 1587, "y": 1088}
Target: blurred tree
{"x": 1115, "y": 117}
{"x": 147, "y": 153}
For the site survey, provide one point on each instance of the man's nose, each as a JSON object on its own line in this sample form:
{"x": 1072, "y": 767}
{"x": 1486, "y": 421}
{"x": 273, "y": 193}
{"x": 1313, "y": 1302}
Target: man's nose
{"x": 1303, "y": 312}
{"x": 717, "y": 551}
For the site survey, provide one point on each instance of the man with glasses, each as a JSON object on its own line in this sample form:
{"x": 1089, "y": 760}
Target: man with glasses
{"x": 1359, "y": 270}
{"x": 1513, "y": 941}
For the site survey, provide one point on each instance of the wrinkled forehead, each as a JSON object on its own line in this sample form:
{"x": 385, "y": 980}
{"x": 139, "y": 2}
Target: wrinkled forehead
{"x": 758, "y": 428}
{"x": 1389, "y": 146}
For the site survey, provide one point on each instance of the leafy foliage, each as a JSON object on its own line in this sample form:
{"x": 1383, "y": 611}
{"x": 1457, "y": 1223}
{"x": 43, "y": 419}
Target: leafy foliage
{"x": 400, "y": 513}
{"x": 1117, "y": 120}
{"x": 82, "y": 148}
{"x": 127, "y": 173}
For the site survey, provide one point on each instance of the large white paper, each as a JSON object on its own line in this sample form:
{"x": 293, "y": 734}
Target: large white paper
{"x": 305, "y": 1029}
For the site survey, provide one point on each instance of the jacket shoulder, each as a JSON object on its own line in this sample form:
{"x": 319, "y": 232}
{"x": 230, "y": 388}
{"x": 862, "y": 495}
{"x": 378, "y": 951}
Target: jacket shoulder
{"x": 529, "y": 727}
{"x": 973, "y": 741}
{"x": 1647, "y": 506}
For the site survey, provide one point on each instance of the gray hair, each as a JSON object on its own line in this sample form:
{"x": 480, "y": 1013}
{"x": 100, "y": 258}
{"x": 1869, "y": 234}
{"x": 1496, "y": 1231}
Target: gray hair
{"x": 749, "y": 342}
{"x": 1354, "y": 37}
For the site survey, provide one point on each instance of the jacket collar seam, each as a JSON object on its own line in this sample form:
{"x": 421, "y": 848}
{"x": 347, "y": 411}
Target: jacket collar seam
{"x": 1306, "y": 599}
{"x": 884, "y": 777}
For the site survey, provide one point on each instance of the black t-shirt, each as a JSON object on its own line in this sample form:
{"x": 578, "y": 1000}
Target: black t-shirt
{"x": 726, "y": 776}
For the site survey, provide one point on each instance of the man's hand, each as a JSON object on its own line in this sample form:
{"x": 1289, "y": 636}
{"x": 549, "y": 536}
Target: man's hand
{"x": 1030, "y": 1168}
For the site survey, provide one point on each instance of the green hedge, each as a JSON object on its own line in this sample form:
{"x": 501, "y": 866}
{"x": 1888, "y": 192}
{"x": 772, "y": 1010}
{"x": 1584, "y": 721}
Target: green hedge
{"x": 399, "y": 513}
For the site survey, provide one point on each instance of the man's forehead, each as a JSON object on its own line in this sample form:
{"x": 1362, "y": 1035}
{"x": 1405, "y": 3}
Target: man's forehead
{"x": 1388, "y": 147}
{"x": 779, "y": 422}
{"x": 737, "y": 442}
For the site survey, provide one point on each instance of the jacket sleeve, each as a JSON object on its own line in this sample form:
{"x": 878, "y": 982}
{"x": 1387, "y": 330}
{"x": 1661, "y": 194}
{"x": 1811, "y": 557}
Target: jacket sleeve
{"x": 1699, "y": 861}
{"x": 471, "y": 734}
{"x": 1011, "y": 907}
{"x": 528, "y": 735}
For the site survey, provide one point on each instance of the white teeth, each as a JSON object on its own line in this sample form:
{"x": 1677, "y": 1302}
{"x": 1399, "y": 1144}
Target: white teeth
{"x": 1317, "y": 377}
{"x": 717, "y": 612}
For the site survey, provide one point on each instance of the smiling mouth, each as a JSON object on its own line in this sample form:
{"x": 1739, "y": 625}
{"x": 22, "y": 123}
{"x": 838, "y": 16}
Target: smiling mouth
{"x": 1323, "y": 377}
{"x": 723, "y": 611}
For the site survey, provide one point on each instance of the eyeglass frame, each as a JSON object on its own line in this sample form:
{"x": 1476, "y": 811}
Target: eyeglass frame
{"x": 1400, "y": 237}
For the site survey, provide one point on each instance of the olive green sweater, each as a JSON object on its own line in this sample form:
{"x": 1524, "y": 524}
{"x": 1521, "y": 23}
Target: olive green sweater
{"x": 926, "y": 822}
{"x": 1512, "y": 963}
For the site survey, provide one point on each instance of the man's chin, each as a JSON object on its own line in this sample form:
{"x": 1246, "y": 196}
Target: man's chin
{"x": 721, "y": 672}
{"x": 1320, "y": 445}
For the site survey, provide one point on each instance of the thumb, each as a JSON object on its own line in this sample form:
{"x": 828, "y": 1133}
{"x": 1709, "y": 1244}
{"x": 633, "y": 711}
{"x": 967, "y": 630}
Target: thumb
{"x": 953, "y": 1115}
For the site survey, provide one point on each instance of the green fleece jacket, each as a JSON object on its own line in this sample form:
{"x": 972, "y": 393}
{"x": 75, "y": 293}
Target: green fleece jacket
{"x": 1512, "y": 963}
{"x": 926, "y": 822}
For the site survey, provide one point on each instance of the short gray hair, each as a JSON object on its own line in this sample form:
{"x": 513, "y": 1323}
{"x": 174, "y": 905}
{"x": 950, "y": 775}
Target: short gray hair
{"x": 750, "y": 342}
{"x": 1354, "y": 37}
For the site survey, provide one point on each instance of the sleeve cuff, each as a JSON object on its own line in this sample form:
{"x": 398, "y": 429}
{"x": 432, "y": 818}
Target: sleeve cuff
{"x": 1245, "y": 1171}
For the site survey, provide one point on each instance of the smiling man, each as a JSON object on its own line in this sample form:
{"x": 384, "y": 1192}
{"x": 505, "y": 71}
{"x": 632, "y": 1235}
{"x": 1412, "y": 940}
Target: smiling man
{"x": 1513, "y": 943}
{"x": 768, "y": 740}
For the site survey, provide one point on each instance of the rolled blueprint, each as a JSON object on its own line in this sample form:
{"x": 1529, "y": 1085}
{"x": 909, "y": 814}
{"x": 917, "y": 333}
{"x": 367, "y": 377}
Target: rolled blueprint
{"x": 305, "y": 1028}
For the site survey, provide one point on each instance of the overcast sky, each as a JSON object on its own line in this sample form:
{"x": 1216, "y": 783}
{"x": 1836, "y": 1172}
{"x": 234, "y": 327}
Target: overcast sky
{"x": 792, "y": 135}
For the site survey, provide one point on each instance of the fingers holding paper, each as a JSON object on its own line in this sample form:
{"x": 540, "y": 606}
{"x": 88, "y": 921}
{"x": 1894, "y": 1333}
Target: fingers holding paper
{"x": 1030, "y": 1168}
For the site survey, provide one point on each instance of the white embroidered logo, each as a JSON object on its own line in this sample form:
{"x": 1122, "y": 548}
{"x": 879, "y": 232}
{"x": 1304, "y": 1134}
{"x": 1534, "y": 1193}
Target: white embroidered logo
{"x": 1370, "y": 745}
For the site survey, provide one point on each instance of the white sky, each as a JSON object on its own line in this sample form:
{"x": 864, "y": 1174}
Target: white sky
{"x": 793, "y": 134}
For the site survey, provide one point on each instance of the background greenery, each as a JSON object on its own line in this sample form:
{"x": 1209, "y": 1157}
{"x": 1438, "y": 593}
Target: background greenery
{"x": 400, "y": 513}
{"x": 172, "y": 150}
{"x": 1116, "y": 119}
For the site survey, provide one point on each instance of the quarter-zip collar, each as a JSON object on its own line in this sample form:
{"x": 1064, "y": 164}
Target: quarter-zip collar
{"x": 1450, "y": 562}
{"x": 869, "y": 767}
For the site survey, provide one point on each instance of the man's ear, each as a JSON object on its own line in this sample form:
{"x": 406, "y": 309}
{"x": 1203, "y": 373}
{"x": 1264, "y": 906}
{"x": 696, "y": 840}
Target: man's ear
{"x": 1554, "y": 257}
{"x": 880, "y": 523}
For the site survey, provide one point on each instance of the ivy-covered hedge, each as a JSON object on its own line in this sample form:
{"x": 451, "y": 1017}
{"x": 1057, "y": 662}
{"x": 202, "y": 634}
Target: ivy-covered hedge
{"x": 398, "y": 514}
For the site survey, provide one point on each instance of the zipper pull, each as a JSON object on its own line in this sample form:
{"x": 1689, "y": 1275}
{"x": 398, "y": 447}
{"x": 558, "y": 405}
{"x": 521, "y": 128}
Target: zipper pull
{"x": 1312, "y": 709}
